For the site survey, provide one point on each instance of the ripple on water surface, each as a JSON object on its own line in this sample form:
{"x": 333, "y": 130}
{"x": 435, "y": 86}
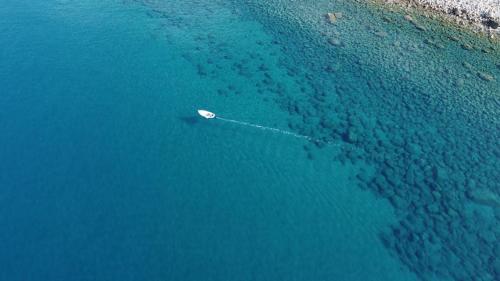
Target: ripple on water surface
{"x": 416, "y": 100}
{"x": 413, "y": 106}
{"x": 419, "y": 102}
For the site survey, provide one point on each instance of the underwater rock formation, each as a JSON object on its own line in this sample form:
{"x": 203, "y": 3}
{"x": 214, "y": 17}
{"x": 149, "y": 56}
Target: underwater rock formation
{"x": 426, "y": 168}
{"x": 413, "y": 102}
{"x": 333, "y": 17}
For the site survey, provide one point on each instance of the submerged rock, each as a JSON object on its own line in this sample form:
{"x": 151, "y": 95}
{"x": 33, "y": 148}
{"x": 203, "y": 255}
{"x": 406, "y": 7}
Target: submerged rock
{"x": 415, "y": 23}
{"x": 420, "y": 27}
{"x": 352, "y": 136}
{"x": 485, "y": 76}
{"x": 467, "y": 65}
{"x": 467, "y": 46}
{"x": 381, "y": 34}
{"x": 491, "y": 23}
{"x": 485, "y": 197}
{"x": 459, "y": 82}
{"x": 409, "y": 18}
{"x": 439, "y": 173}
{"x": 333, "y": 17}
{"x": 334, "y": 42}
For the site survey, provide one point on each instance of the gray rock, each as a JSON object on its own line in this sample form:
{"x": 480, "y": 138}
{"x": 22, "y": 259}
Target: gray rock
{"x": 485, "y": 76}
{"x": 409, "y": 18}
{"x": 485, "y": 197}
{"x": 467, "y": 65}
{"x": 333, "y": 17}
{"x": 381, "y": 34}
{"x": 491, "y": 23}
{"x": 334, "y": 42}
{"x": 467, "y": 46}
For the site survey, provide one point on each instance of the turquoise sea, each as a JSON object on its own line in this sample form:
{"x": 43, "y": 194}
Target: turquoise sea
{"x": 108, "y": 173}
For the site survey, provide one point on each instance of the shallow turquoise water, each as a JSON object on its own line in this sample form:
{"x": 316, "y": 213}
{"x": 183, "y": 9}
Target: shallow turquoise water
{"x": 108, "y": 174}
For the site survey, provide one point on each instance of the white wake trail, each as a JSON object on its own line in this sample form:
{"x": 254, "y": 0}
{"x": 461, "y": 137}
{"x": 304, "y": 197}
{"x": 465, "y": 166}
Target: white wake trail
{"x": 210, "y": 115}
{"x": 267, "y": 128}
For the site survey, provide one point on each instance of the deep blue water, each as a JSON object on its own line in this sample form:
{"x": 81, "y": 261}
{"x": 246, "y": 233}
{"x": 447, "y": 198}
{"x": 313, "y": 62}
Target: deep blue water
{"x": 107, "y": 173}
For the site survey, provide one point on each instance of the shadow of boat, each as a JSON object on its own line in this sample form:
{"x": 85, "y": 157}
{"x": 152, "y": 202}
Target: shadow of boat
{"x": 190, "y": 120}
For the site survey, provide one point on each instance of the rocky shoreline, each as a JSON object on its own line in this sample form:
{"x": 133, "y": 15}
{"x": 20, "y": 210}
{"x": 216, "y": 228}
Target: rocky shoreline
{"x": 483, "y": 15}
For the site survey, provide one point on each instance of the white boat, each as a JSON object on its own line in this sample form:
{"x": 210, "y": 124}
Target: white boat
{"x": 206, "y": 114}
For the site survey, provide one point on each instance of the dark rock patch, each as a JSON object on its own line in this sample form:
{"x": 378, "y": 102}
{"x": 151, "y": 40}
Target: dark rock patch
{"x": 491, "y": 23}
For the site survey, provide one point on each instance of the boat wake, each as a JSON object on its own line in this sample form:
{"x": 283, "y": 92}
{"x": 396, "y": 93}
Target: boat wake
{"x": 265, "y": 128}
{"x": 284, "y": 132}
{"x": 210, "y": 115}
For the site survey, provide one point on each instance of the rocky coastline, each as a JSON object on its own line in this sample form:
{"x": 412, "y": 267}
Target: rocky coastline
{"x": 483, "y": 15}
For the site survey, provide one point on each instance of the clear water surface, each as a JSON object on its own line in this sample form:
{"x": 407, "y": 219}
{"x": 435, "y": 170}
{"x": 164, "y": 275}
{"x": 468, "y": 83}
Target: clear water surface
{"x": 107, "y": 173}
